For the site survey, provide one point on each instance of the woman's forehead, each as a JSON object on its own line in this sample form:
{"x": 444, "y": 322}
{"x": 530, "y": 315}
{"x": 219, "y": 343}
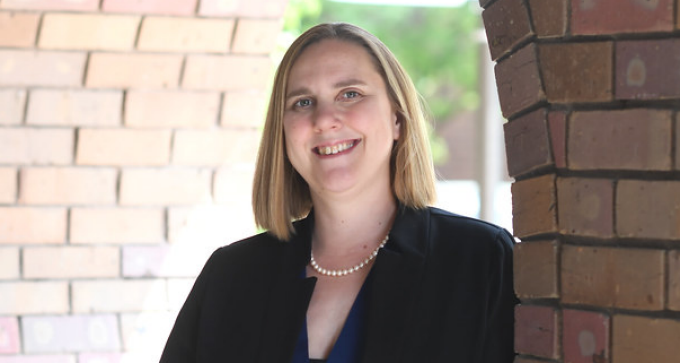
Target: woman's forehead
{"x": 330, "y": 55}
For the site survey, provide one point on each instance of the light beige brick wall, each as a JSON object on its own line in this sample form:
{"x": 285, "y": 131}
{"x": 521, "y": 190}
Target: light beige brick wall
{"x": 128, "y": 132}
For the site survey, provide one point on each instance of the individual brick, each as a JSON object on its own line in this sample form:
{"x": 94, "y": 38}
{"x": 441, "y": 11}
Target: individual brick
{"x": 591, "y": 61}
{"x": 245, "y": 9}
{"x": 88, "y": 31}
{"x": 146, "y": 331}
{"x": 613, "y": 16}
{"x": 233, "y": 184}
{"x": 214, "y": 147}
{"x": 117, "y": 225}
{"x": 164, "y": 186}
{"x": 9, "y": 270}
{"x": 39, "y": 358}
{"x": 8, "y": 185}
{"x": 151, "y": 355}
{"x": 507, "y": 24}
{"x": 596, "y": 275}
{"x": 9, "y": 331}
{"x": 674, "y": 280}
{"x": 36, "y": 146}
{"x": 642, "y": 69}
{"x": 586, "y": 207}
{"x": 550, "y": 18}
{"x": 12, "y": 104}
{"x": 632, "y": 139}
{"x": 557, "y": 126}
{"x": 67, "y": 185}
{"x": 19, "y": 298}
{"x": 534, "y": 206}
{"x": 165, "y": 261}
{"x": 169, "y": 109}
{"x": 648, "y": 209}
{"x": 106, "y": 358}
{"x": 527, "y": 143}
{"x": 677, "y": 140}
{"x": 103, "y": 296}
{"x": 125, "y": 70}
{"x": 585, "y": 336}
{"x": 19, "y": 225}
{"x": 74, "y": 107}
{"x": 43, "y": 69}
{"x": 519, "y": 81}
{"x": 643, "y": 339}
{"x": 80, "y": 5}
{"x": 226, "y": 73}
{"x": 536, "y": 272}
{"x": 70, "y": 262}
{"x": 536, "y": 331}
{"x": 519, "y": 359}
{"x": 165, "y": 34}
{"x": 121, "y": 147}
{"x": 244, "y": 109}
{"x": 256, "y": 36}
{"x": 207, "y": 226}
{"x": 165, "y": 7}
{"x": 75, "y": 333}
{"x": 18, "y": 29}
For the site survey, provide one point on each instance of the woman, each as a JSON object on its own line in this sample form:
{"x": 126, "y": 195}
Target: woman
{"x": 367, "y": 272}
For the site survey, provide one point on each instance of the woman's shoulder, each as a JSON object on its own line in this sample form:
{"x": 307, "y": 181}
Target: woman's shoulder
{"x": 259, "y": 248}
{"x": 453, "y": 220}
{"x": 446, "y": 226}
{"x": 260, "y": 251}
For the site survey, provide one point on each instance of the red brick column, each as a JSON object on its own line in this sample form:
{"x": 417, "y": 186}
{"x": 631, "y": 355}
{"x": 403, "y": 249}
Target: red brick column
{"x": 128, "y": 132}
{"x": 591, "y": 91}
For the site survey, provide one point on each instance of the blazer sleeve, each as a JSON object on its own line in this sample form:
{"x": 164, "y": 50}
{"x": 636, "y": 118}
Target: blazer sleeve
{"x": 499, "y": 342}
{"x": 181, "y": 344}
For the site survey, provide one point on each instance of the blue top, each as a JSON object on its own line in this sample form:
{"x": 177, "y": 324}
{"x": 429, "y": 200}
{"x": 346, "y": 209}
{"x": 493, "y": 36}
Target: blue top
{"x": 349, "y": 346}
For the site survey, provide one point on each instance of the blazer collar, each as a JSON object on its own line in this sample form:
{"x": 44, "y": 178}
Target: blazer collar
{"x": 289, "y": 298}
{"x": 396, "y": 277}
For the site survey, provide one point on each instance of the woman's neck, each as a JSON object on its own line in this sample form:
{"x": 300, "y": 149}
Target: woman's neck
{"x": 345, "y": 227}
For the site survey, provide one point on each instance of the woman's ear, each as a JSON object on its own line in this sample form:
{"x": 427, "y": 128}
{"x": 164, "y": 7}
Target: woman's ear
{"x": 396, "y": 125}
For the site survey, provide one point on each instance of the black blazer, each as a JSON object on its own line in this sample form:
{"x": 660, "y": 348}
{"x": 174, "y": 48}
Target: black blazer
{"x": 441, "y": 291}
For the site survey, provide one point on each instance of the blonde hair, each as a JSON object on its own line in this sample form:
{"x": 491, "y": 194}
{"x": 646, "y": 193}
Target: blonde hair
{"x": 281, "y": 195}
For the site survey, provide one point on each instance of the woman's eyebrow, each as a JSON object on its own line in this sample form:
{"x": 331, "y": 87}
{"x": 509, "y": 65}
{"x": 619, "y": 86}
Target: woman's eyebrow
{"x": 341, "y": 84}
{"x": 349, "y": 82}
{"x": 297, "y": 92}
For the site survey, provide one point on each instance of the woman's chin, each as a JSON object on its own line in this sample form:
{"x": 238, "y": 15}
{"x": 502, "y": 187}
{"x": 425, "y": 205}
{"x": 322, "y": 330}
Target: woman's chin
{"x": 334, "y": 187}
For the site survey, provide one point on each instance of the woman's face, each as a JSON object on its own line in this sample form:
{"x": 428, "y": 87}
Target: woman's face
{"x": 339, "y": 123}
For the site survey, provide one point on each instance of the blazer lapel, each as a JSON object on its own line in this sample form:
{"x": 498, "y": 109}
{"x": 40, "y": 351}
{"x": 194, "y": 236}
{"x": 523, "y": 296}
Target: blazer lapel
{"x": 396, "y": 276}
{"x": 288, "y": 301}
{"x": 394, "y": 282}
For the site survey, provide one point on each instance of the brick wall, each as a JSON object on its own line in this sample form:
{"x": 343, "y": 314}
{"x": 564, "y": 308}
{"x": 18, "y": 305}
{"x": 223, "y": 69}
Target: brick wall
{"x": 591, "y": 90}
{"x": 128, "y": 131}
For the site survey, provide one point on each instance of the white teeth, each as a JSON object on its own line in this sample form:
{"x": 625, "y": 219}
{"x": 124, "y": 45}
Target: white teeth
{"x": 332, "y": 150}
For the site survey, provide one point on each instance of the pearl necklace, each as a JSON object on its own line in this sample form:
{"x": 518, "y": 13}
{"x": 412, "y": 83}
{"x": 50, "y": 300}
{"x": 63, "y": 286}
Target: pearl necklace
{"x": 347, "y": 271}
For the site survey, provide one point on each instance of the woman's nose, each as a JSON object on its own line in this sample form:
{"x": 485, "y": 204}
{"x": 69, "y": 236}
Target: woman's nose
{"x": 326, "y": 117}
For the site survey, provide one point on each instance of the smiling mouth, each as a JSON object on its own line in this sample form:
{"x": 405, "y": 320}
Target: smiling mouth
{"x": 335, "y": 149}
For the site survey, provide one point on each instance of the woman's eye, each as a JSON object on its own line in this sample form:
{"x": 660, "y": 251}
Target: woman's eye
{"x": 303, "y": 103}
{"x": 351, "y": 94}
